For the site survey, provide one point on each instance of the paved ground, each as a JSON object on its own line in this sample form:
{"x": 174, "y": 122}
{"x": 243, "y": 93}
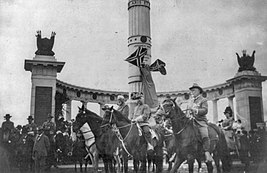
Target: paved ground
{"x": 237, "y": 168}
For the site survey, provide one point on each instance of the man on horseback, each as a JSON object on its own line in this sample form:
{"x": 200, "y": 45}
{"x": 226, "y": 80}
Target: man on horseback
{"x": 141, "y": 116}
{"x": 199, "y": 110}
{"x": 123, "y": 108}
{"x": 7, "y": 126}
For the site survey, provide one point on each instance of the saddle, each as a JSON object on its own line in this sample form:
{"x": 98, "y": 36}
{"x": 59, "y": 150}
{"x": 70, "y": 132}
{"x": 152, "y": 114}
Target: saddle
{"x": 213, "y": 130}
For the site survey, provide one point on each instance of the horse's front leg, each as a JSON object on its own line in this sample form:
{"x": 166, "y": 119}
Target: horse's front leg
{"x": 125, "y": 164}
{"x": 178, "y": 161}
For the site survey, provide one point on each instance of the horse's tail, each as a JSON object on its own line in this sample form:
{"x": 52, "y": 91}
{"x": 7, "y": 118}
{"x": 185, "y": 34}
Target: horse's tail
{"x": 223, "y": 150}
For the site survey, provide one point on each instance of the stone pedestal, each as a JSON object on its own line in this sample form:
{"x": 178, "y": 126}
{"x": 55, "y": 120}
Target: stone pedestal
{"x": 248, "y": 95}
{"x": 44, "y": 73}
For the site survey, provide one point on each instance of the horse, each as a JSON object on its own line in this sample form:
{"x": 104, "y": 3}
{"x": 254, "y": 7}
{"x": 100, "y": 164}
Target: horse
{"x": 91, "y": 149}
{"x": 188, "y": 142}
{"x": 77, "y": 152}
{"x": 132, "y": 140}
{"x": 105, "y": 140}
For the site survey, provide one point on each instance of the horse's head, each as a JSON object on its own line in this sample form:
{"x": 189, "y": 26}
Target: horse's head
{"x": 86, "y": 116}
{"x": 80, "y": 119}
{"x": 166, "y": 109}
{"x": 109, "y": 114}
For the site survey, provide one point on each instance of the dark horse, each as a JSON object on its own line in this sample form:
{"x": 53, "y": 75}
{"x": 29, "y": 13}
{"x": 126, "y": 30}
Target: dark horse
{"x": 132, "y": 140}
{"x": 105, "y": 140}
{"x": 188, "y": 142}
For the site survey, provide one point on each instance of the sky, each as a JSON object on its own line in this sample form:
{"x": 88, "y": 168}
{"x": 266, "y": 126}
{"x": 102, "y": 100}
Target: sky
{"x": 197, "y": 40}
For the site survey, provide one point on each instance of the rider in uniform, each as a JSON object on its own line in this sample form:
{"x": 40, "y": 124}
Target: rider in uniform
{"x": 199, "y": 110}
{"x": 123, "y": 107}
{"x": 7, "y": 126}
{"x": 141, "y": 116}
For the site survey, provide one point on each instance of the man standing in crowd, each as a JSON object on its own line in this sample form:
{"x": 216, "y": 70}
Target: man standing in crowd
{"x": 31, "y": 126}
{"x": 7, "y": 126}
{"x": 40, "y": 150}
{"x": 123, "y": 108}
{"x": 49, "y": 130}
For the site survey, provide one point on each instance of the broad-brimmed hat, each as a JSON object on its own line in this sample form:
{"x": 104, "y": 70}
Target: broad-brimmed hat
{"x": 121, "y": 98}
{"x": 30, "y": 118}
{"x": 136, "y": 95}
{"x": 195, "y": 85}
{"x": 105, "y": 107}
{"x": 7, "y": 116}
{"x": 228, "y": 110}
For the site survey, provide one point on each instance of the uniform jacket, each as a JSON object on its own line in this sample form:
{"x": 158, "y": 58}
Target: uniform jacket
{"x": 31, "y": 127}
{"x": 41, "y": 145}
{"x": 49, "y": 126}
{"x": 201, "y": 105}
{"x": 141, "y": 113}
{"x": 124, "y": 109}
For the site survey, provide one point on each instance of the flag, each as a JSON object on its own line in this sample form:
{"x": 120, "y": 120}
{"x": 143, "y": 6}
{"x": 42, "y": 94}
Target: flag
{"x": 137, "y": 57}
{"x": 148, "y": 88}
{"x": 158, "y": 65}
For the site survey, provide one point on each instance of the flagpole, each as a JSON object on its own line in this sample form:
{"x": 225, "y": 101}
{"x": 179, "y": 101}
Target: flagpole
{"x": 139, "y": 35}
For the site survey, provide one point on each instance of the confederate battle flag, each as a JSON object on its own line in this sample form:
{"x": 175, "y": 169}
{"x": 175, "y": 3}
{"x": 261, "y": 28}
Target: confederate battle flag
{"x": 137, "y": 57}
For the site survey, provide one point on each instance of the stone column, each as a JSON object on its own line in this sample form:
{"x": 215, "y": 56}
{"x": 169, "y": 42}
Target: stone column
{"x": 68, "y": 110}
{"x": 101, "y": 112}
{"x": 215, "y": 111}
{"x": 139, "y": 35}
{"x": 84, "y": 104}
{"x": 231, "y": 104}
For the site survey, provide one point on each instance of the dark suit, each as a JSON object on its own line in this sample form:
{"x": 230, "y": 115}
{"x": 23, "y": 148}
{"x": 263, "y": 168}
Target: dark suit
{"x": 40, "y": 149}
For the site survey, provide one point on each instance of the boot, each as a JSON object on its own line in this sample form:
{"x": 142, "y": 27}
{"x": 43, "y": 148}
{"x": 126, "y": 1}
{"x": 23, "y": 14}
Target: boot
{"x": 208, "y": 157}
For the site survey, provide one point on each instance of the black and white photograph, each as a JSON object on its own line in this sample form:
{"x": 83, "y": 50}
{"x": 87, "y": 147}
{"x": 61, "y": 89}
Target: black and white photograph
{"x": 133, "y": 86}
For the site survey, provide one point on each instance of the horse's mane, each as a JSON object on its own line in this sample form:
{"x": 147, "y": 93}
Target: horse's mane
{"x": 121, "y": 117}
{"x": 177, "y": 108}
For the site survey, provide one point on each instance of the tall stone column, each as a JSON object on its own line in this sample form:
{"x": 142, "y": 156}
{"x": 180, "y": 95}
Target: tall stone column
{"x": 139, "y": 35}
{"x": 68, "y": 110}
{"x": 215, "y": 110}
{"x": 44, "y": 71}
{"x": 248, "y": 96}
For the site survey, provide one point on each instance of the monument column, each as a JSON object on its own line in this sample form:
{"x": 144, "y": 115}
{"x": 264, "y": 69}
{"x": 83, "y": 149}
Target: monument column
{"x": 139, "y": 35}
{"x": 68, "y": 110}
{"x": 44, "y": 68}
{"x": 215, "y": 110}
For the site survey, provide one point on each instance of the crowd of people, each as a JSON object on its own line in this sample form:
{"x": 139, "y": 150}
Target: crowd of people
{"x": 43, "y": 148}
{"x": 40, "y": 141}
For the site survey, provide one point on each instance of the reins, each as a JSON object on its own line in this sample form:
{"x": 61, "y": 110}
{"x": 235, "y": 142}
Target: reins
{"x": 118, "y": 134}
